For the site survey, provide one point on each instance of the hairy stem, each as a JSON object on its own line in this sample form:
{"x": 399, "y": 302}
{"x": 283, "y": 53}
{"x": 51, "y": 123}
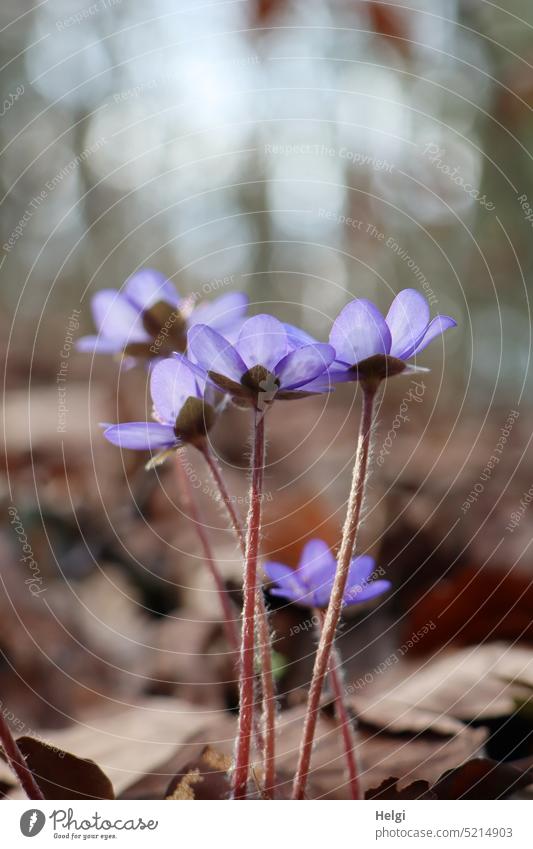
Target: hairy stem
{"x": 246, "y": 711}
{"x": 269, "y": 696}
{"x": 331, "y": 619}
{"x": 265, "y": 653}
{"x": 343, "y": 718}
{"x": 17, "y": 762}
{"x": 225, "y": 497}
{"x": 228, "y": 611}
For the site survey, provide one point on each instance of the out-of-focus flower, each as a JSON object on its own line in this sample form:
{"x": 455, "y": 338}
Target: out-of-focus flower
{"x": 183, "y": 410}
{"x": 264, "y": 364}
{"x": 369, "y": 346}
{"x": 311, "y": 583}
{"x": 148, "y": 319}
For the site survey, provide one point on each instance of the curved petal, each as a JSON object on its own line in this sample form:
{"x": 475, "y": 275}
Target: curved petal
{"x": 279, "y": 573}
{"x": 436, "y": 327}
{"x": 262, "y": 341}
{"x": 361, "y": 569}
{"x": 359, "y": 331}
{"x": 407, "y": 319}
{"x": 222, "y": 313}
{"x": 298, "y": 337}
{"x": 147, "y": 287}
{"x": 304, "y": 365}
{"x": 116, "y": 318}
{"x": 171, "y": 383}
{"x": 141, "y": 436}
{"x": 98, "y": 345}
{"x": 214, "y": 353}
{"x": 317, "y": 561}
{"x": 355, "y": 594}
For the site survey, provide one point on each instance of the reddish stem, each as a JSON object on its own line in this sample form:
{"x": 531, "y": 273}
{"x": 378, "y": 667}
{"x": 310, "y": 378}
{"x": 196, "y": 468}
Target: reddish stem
{"x": 225, "y": 497}
{"x": 17, "y": 762}
{"x": 265, "y": 643}
{"x": 246, "y": 712}
{"x": 331, "y": 620}
{"x": 228, "y": 612}
{"x": 269, "y": 697}
{"x": 343, "y": 718}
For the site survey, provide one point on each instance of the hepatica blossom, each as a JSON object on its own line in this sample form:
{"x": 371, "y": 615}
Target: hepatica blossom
{"x": 148, "y": 319}
{"x": 311, "y": 583}
{"x": 265, "y": 363}
{"x": 369, "y": 346}
{"x": 183, "y": 409}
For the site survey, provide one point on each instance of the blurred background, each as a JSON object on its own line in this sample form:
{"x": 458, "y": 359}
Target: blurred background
{"x": 306, "y": 153}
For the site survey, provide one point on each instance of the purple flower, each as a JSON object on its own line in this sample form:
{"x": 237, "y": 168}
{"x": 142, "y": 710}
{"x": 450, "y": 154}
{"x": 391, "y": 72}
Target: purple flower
{"x": 148, "y": 319}
{"x": 182, "y": 407}
{"x": 311, "y": 583}
{"x": 369, "y": 346}
{"x": 264, "y": 363}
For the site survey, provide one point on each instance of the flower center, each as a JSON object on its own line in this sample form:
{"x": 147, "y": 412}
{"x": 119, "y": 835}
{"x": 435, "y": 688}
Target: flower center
{"x": 195, "y": 419}
{"x": 167, "y": 328}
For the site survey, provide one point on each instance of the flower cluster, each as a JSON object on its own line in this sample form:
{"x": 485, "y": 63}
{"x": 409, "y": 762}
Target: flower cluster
{"x": 201, "y": 355}
{"x": 255, "y": 361}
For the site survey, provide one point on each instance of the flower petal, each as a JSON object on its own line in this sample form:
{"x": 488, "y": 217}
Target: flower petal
{"x": 171, "y": 383}
{"x": 359, "y": 331}
{"x": 304, "y": 365}
{"x": 223, "y": 313}
{"x": 142, "y": 436}
{"x": 361, "y": 568}
{"x": 279, "y": 573}
{"x": 436, "y": 327}
{"x": 98, "y": 345}
{"x": 407, "y": 318}
{"x": 317, "y": 561}
{"x": 355, "y": 594}
{"x": 147, "y": 287}
{"x": 262, "y": 341}
{"x": 298, "y": 337}
{"x": 214, "y": 353}
{"x": 116, "y": 318}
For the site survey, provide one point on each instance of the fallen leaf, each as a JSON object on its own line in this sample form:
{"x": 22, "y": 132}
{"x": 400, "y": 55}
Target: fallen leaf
{"x": 62, "y": 775}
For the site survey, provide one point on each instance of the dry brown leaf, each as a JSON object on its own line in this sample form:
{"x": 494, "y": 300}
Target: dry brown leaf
{"x": 472, "y": 683}
{"x": 128, "y": 743}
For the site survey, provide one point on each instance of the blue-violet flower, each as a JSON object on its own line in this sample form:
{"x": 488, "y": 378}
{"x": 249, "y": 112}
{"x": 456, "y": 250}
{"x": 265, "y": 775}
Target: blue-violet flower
{"x": 183, "y": 408}
{"x": 311, "y": 583}
{"x": 148, "y": 319}
{"x": 264, "y": 363}
{"x": 371, "y": 347}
